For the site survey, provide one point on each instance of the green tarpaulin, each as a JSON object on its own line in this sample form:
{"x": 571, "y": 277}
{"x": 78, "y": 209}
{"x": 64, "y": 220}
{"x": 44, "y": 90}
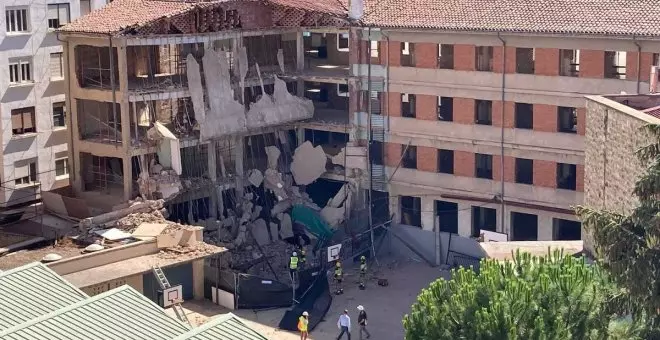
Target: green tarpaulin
{"x": 312, "y": 220}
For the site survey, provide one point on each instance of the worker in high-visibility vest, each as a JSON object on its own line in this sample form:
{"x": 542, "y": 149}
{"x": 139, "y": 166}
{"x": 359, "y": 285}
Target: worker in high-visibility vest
{"x": 303, "y": 323}
{"x": 363, "y": 271}
{"x": 303, "y": 257}
{"x": 339, "y": 277}
{"x": 293, "y": 265}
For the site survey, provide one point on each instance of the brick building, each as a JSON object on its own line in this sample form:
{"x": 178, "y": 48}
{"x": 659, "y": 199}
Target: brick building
{"x": 478, "y": 116}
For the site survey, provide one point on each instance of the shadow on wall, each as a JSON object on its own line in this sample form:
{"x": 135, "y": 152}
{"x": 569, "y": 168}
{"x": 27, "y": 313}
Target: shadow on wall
{"x": 14, "y": 43}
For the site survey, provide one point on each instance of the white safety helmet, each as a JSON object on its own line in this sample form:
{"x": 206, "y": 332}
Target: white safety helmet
{"x": 305, "y": 314}
{"x": 360, "y": 308}
{"x": 295, "y": 254}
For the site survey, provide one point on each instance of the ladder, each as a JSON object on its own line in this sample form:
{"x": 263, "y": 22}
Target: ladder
{"x": 164, "y": 284}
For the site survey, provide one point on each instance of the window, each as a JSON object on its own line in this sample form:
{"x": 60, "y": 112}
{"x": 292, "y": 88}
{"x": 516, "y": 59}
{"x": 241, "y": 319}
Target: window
{"x": 407, "y": 54}
{"x": 375, "y": 102}
{"x": 17, "y": 20}
{"x": 408, "y": 105}
{"x": 409, "y": 157}
{"x": 374, "y": 46}
{"x": 446, "y": 161}
{"x": 525, "y": 60}
{"x": 445, "y": 109}
{"x": 85, "y": 7}
{"x": 566, "y": 176}
{"x": 524, "y": 227}
{"x": 483, "y": 166}
{"x": 483, "y": 219}
{"x": 59, "y": 114}
{"x": 56, "y": 66}
{"x": 483, "y": 112}
{"x": 446, "y": 56}
{"x": 20, "y": 71}
{"x": 62, "y": 167}
{"x": 566, "y": 119}
{"x": 524, "y": 171}
{"x": 58, "y": 15}
{"x": 565, "y": 230}
{"x": 411, "y": 211}
{"x": 484, "y": 58}
{"x": 342, "y": 42}
{"x": 524, "y": 116}
{"x": 569, "y": 63}
{"x": 342, "y": 90}
{"x": 22, "y": 121}
{"x": 615, "y": 64}
{"x": 447, "y": 213}
{"x": 25, "y": 172}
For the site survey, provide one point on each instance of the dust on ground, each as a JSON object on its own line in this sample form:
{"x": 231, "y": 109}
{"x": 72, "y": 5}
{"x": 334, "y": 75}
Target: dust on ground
{"x": 385, "y": 306}
{"x": 65, "y": 248}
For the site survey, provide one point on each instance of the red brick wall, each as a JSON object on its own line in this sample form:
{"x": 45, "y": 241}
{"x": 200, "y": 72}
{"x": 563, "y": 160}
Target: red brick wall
{"x": 509, "y": 114}
{"x": 510, "y": 59}
{"x": 545, "y": 118}
{"x": 592, "y": 64}
{"x": 579, "y": 181}
{"x": 463, "y": 163}
{"x": 392, "y": 154}
{"x": 631, "y": 65}
{"x": 426, "y": 107}
{"x": 545, "y": 173}
{"x": 463, "y": 110}
{"x": 546, "y": 62}
{"x": 581, "y": 120}
{"x": 427, "y": 159}
{"x": 464, "y": 57}
{"x": 394, "y": 53}
{"x": 426, "y": 55}
{"x": 393, "y": 106}
{"x": 509, "y": 168}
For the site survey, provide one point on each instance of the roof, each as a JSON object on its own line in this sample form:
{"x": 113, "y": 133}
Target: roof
{"x": 122, "y": 313}
{"x": 588, "y": 17}
{"x": 226, "y": 327}
{"x": 31, "y": 291}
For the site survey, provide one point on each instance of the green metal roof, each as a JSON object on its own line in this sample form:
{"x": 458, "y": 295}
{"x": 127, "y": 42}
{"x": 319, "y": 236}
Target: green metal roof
{"x": 226, "y": 327}
{"x": 119, "y": 314}
{"x": 31, "y": 291}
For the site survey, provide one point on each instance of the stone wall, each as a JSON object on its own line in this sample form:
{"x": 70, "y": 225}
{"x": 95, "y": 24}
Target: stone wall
{"x": 613, "y": 134}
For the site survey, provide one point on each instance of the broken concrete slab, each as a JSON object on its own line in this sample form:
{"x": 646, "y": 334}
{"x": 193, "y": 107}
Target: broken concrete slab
{"x": 334, "y": 216}
{"x": 280, "y": 108}
{"x": 168, "y": 240}
{"x": 286, "y": 226}
{"x": 273, "y": 181}
{"x": 112, "y": 234}
{"x": 340, "y": 197}
{"x": 273, "y": 153}
{"x": 255, "y": 177}
{"x": 308, "y": 163}
{"x": 339, "y": 158}
{"x": 149, "y": 230}
{"x": 260, "y": 232}
{"x": 274, "y": 233}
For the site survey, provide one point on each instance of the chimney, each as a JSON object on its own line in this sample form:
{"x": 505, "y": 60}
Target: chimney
{"x": 355, "y": 9}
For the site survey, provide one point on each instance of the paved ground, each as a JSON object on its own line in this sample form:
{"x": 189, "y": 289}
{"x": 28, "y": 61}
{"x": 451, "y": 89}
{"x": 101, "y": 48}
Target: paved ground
{"x": 385, "y": 306}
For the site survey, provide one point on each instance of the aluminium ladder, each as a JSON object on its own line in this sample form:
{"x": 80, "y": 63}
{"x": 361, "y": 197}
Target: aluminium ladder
{"x": 165, "y": 284}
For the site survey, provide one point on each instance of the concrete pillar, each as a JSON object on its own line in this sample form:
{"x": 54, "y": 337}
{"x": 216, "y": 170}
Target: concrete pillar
{"x": 395, "y": 208}
{"x": 300, "y": 135}
{"x": 506, "y": 228}
{"x": 122, "y": 98}
{"x": 300, "y": 52}
{"x": 128, "y": 177}
{"x": 544, "y": 230}
{"x": 239, "y": 142}
{"x": 73, "y": 136}
{"x": 213, "y": 177}
{"x": 464, "y": 219}
{"x": 198, "y": 279}
{"x": 428, "y": 213}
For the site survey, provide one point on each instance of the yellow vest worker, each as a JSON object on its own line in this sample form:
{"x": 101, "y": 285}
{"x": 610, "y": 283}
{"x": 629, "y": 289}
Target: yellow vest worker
{"x": 293, "y": 263}
{"x": 363, "y": 265}
{"x": 338, "y": 271}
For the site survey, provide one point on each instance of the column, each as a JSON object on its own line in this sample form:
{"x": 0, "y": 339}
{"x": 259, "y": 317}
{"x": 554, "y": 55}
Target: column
{"x": 544, "y": 231}
{"x": 213, "y": 177}
{"x": 464, "y": 219}
{"x": 300, "y": 52}
{"x": 428, "y": 213}
{"x": 122, "y": 98}
{"x": 238, "y": 157}
{"x": 395, "y": 208}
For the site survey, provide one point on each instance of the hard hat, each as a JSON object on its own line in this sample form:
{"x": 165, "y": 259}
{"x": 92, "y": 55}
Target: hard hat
{"x": 360, "y": 308}
{"x": 305, "y": 313}
{"x": 295, "y": 254}
{"x": 363, "y": 258}
{"x": 338, "y": 264}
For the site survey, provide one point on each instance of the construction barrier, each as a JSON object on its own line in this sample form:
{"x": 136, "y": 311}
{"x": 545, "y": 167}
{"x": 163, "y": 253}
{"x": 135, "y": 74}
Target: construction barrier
{"x": 316, "y": 301}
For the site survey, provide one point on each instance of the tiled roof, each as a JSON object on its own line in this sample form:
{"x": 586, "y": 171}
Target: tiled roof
{"x": 31, "y": 291}
{"x": 226, "y": 327}
{"x": 589, "y": 17}
{"x": 122, "y": 313}
{"x": 653, "y": 111}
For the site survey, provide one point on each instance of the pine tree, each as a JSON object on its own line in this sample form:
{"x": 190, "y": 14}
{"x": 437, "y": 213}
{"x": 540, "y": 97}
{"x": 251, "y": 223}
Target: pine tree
{"x": 551, "y": 297}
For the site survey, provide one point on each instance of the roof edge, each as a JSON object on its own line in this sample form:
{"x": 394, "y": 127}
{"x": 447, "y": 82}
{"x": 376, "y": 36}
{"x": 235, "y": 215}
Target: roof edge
{"x": 50, "y": 271}
{"x": 637, "y": 114}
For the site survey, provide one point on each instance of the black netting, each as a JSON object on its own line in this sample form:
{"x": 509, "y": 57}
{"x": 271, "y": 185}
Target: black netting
{"x": 316, "y": 302}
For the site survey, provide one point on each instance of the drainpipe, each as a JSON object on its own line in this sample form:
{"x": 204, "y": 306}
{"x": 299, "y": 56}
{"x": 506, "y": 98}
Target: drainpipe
{"x": 502, "y": 131}
{"x": 639, "y": 61}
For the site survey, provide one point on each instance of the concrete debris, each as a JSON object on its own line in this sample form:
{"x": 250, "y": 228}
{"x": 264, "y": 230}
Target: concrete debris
{"x": 112, "y": 234}
{"x": 273, "y": 181}
{"x": 273, "y": 153}
{"x": 334, "y": 216}
{"x": 280, "y": 59}
{"x": 338, "y": 207}
{"x": 353, "y": 157}
{"x": 274, "y": 233}
{"x": 165, "y": 185}
{"x": 340, "y": 197}
{"x": 286, "y": 226}
{"x": 195, "y": 87}
{"x": 136, "y": 207}
{"x": 197, "y": 249}
{"x": 255, "y": 177}
{"x": 260, "y": 232}
{"x": 280, "y": 108}
{"x": 308, "y": 163}
{"x": 149, "y": 230}
{"x": 339, "y": 158}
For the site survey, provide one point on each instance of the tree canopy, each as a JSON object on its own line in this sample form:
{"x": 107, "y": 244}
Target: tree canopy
{"x": 551, "y": 297}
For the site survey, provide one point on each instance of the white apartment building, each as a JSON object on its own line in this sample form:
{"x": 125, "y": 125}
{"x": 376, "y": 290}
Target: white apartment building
{"x": 32, "y": 103}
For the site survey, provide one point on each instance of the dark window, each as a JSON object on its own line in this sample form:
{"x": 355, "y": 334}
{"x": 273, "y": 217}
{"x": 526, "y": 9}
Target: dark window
{"x": 525, "y": 227}
{"x": 446, "y": 56}
{"x": 376, "y": 152}
{"x": 408, "y": 105}
{"x": 58, "y": 15}
{"x": 524, "y": 116}
{"x": 411, "y": 211}
{"x": 565, "y": 230}
{"x": 59, "y": 114}
{"x": 615, "y": 64}
{"x": 407, "y": 54}
{"x": 409, "y": 159}
{"x": 525, "y": 60}
{"x": 483, "y": 219}
{"x": 447, "y": 213}
{"x": 446, "y": 109}
{"x": 566, "y": 176}
{"x": 483, "y": 165}
{"x": 656, "y": 59}
{"x": 566, "y": 119}
{"x": 342, "y": 41}
{"x": 524, "y": 171}
{"x": 446, "y": 161}
{"x": 483, "y": 111}
{"x": 484, "y": 58}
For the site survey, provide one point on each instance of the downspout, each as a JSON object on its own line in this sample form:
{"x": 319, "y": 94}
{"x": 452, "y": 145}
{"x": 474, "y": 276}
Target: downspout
{"x": 639, "y": 61}
{"x": 71, "y": 160}
{"x": 502, "y": 131}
